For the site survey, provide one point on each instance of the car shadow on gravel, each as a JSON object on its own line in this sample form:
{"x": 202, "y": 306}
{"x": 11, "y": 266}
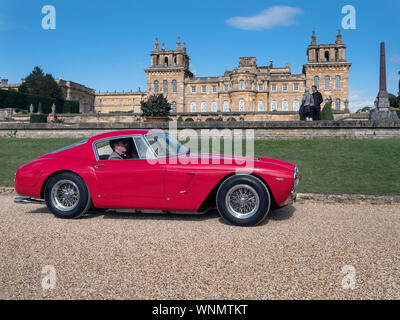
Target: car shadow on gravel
{"x": 275, "y": 215}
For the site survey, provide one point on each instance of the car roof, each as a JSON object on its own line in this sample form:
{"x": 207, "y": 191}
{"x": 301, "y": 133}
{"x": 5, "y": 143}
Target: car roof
{"x": 117, "y": 134}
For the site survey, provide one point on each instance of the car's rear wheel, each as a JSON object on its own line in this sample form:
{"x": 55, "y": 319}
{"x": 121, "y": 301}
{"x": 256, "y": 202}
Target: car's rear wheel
{"x": 67, "y": 195}
{"x": 243, "y": 200}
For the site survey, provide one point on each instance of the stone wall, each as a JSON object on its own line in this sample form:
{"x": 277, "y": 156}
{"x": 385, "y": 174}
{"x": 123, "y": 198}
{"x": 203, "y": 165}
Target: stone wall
{"x": 262, "y": 130}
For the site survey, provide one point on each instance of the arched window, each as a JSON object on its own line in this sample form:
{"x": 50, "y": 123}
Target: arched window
{"x": 285, "y": 105}
{"x": 165, "y": 86}
{"x": 193, "y": 106}
{"x": 214, "y": 106}
{"x": 226, "y": 106}
{"x": 174, "y": 61}
{"x": 241, "y": 105}
{"x": 166, "y": 62}
{"x": 260, "y": 105}
{"x": 273, "y": 105}
{"x": 173, "y": 107}
{"x": 174, "y": 86}
{"x": 241, "y": 84}
{"x": 337, "y": 82}
{"x": 156, "y": 86}
{"x": 316, "y": 82}
{"x": 296, "y": 105}
{"x": 204, "y": 106}
{"x": 337, "y": 104}
{"x": 327, "y": 83}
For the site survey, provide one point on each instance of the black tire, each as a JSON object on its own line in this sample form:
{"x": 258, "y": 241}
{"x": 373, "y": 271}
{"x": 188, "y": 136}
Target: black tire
{"x": 250, "y": 188}
{"x": 72, "y": 204}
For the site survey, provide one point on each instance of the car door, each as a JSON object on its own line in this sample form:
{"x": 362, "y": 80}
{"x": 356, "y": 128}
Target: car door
{"x": 130, "y": 183}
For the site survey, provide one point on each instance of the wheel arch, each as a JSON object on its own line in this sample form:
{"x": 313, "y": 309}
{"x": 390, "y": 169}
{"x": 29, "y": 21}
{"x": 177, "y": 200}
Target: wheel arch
{"x": 55, "y": 173}
{"x": 210, "y": 200}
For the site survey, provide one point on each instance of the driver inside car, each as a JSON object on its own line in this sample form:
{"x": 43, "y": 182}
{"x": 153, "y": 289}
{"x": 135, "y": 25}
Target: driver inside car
{"x": 120, "y": 149}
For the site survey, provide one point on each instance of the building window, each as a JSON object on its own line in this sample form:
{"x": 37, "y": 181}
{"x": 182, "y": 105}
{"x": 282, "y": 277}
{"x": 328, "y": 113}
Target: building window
{"x": 173, "y": 107}
{"x": 214, "y": 106}
{"x": 193, "y": 106}
{"x": 193, "y": 89}
{"x": 296, "y": 105}
{"x": 316, "y": 82}
{"x": 241, "y": 84}
{"x": 203, "y": 106}
{"x": 165, "y": 86}
{"x": 273, "y": 87}
{"x": 174, "y": 86}
{"x": 285, "y": 87}
{"x": 203, "y": 89}
{"x": 337, "y": 104}
{"x": 156, "y": 86}
{"x": 241, "y": 105}
{"x": 214, "y": 89}
{"x": 273, "y": 105}
{"x": 285, "y": 105}
{"x": 327, "y": 83}
{"x": 296, "y": 87}
{"x": 260, "y": 87}
{"x": 226, "y": 106}
{"x": 260, "y": 105}
{"x": 166, "y": 62}
{"x": 337, "y": 82}
{"x": 226, "y": 87}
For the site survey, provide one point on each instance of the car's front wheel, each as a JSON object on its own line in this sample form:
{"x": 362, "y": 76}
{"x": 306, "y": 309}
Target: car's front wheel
{"x": 67, "y": 195}
{"x": 243, "y": 200}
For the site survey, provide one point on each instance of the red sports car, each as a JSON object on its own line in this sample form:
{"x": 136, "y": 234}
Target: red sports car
{"x": 147, "y": 171}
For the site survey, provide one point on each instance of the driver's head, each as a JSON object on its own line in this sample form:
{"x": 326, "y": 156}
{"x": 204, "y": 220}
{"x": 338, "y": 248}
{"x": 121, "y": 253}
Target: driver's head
{"x": 120, "y": 146}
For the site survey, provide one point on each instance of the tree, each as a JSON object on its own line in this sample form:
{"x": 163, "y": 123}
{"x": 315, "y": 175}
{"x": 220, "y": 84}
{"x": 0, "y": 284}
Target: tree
{"x": 41, "y": 84}
{"x": 326, "y": 113}
{"x": 156, "y": 106}
{"x": 393, "y": 101}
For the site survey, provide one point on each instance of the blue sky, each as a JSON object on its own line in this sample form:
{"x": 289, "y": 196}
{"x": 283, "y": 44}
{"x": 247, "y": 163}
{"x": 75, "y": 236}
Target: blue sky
{"x": 105, "y": 45}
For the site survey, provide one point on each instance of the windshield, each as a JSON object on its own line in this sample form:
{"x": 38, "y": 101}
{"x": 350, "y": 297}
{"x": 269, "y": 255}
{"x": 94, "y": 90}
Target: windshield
{"x": 165, "y": 145}
{"x": 70, "y": 146}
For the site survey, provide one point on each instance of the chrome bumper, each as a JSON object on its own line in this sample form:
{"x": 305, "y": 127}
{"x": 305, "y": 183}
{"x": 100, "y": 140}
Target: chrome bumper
{"x": 297, "y": 178}
{"x": 24, "y": 200}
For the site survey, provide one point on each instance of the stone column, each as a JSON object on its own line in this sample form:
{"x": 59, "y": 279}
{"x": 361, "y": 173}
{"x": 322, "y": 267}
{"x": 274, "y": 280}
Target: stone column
{"x": 382, "y": 111}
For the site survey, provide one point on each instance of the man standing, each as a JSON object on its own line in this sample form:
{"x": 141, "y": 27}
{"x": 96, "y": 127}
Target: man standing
{"x": 316, "y": 110}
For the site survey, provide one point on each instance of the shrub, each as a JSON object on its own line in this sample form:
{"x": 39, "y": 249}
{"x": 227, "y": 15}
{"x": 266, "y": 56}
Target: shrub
{"x": 156, "y": 105}
{"x": 326, "y": 113}
{"x": 38, "y": 118}
{"x": 70, "y": 107}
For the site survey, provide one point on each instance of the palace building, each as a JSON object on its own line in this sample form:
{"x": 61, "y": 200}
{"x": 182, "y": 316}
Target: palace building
{"x": 247, "y": 88}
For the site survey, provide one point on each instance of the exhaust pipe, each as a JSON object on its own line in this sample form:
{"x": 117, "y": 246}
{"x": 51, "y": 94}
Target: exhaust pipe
{"x": 24, "y": 200}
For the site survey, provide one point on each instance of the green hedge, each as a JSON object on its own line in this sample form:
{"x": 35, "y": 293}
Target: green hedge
{"x": 38, "y": 118}
{"x": 14, "y": 99}
{"x": 326, "y": 113}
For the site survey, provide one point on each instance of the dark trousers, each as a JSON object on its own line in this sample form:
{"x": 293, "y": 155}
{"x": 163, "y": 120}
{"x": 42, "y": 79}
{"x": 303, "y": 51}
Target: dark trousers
{"x": 316, "y": 113}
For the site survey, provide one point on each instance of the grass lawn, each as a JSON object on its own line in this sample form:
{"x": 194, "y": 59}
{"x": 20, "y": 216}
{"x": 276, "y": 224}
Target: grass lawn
{"x": 328, "y": 166}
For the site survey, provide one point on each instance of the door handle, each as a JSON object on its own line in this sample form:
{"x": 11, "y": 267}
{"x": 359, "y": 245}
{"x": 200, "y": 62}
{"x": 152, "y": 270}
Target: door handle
{"x": 99, "y": 165}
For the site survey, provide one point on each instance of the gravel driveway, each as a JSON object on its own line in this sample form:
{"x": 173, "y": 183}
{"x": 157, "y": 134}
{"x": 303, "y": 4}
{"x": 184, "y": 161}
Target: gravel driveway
{"x": 299, "y": 253}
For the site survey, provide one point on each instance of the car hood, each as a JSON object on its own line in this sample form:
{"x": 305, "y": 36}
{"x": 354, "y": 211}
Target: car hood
{"x": 239, "y": 160}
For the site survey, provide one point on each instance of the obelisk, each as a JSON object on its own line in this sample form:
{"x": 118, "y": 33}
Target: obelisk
{"x": 382, "y": 110}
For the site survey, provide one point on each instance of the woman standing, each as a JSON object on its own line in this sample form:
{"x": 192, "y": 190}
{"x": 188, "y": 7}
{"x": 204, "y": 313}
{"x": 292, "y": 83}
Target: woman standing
{"x": 308, "y": 102}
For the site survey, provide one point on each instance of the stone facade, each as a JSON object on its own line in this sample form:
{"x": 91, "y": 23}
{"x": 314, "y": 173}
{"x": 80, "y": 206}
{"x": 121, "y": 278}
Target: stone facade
{"x": 78, "y": 92}
{"x": 249, "y": 88}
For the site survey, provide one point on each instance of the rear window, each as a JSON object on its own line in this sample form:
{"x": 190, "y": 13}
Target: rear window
{"x": 76, "y": 144}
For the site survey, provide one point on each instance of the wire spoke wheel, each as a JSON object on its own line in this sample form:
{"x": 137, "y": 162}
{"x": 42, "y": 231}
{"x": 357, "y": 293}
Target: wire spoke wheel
{"x": 65, "y": 195}
{"x": 242, "y": 201}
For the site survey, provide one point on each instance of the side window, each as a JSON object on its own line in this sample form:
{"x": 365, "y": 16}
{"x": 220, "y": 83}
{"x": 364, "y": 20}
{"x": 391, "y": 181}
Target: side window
{"x": 123, "y": 148}
{"x": 103, "y": 150}
{"x": 143, "y": 149}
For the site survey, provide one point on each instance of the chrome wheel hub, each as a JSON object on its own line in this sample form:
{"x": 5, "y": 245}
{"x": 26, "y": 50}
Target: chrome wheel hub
{"x": 242, "y": 201}
{"x": 65, "y": 195}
